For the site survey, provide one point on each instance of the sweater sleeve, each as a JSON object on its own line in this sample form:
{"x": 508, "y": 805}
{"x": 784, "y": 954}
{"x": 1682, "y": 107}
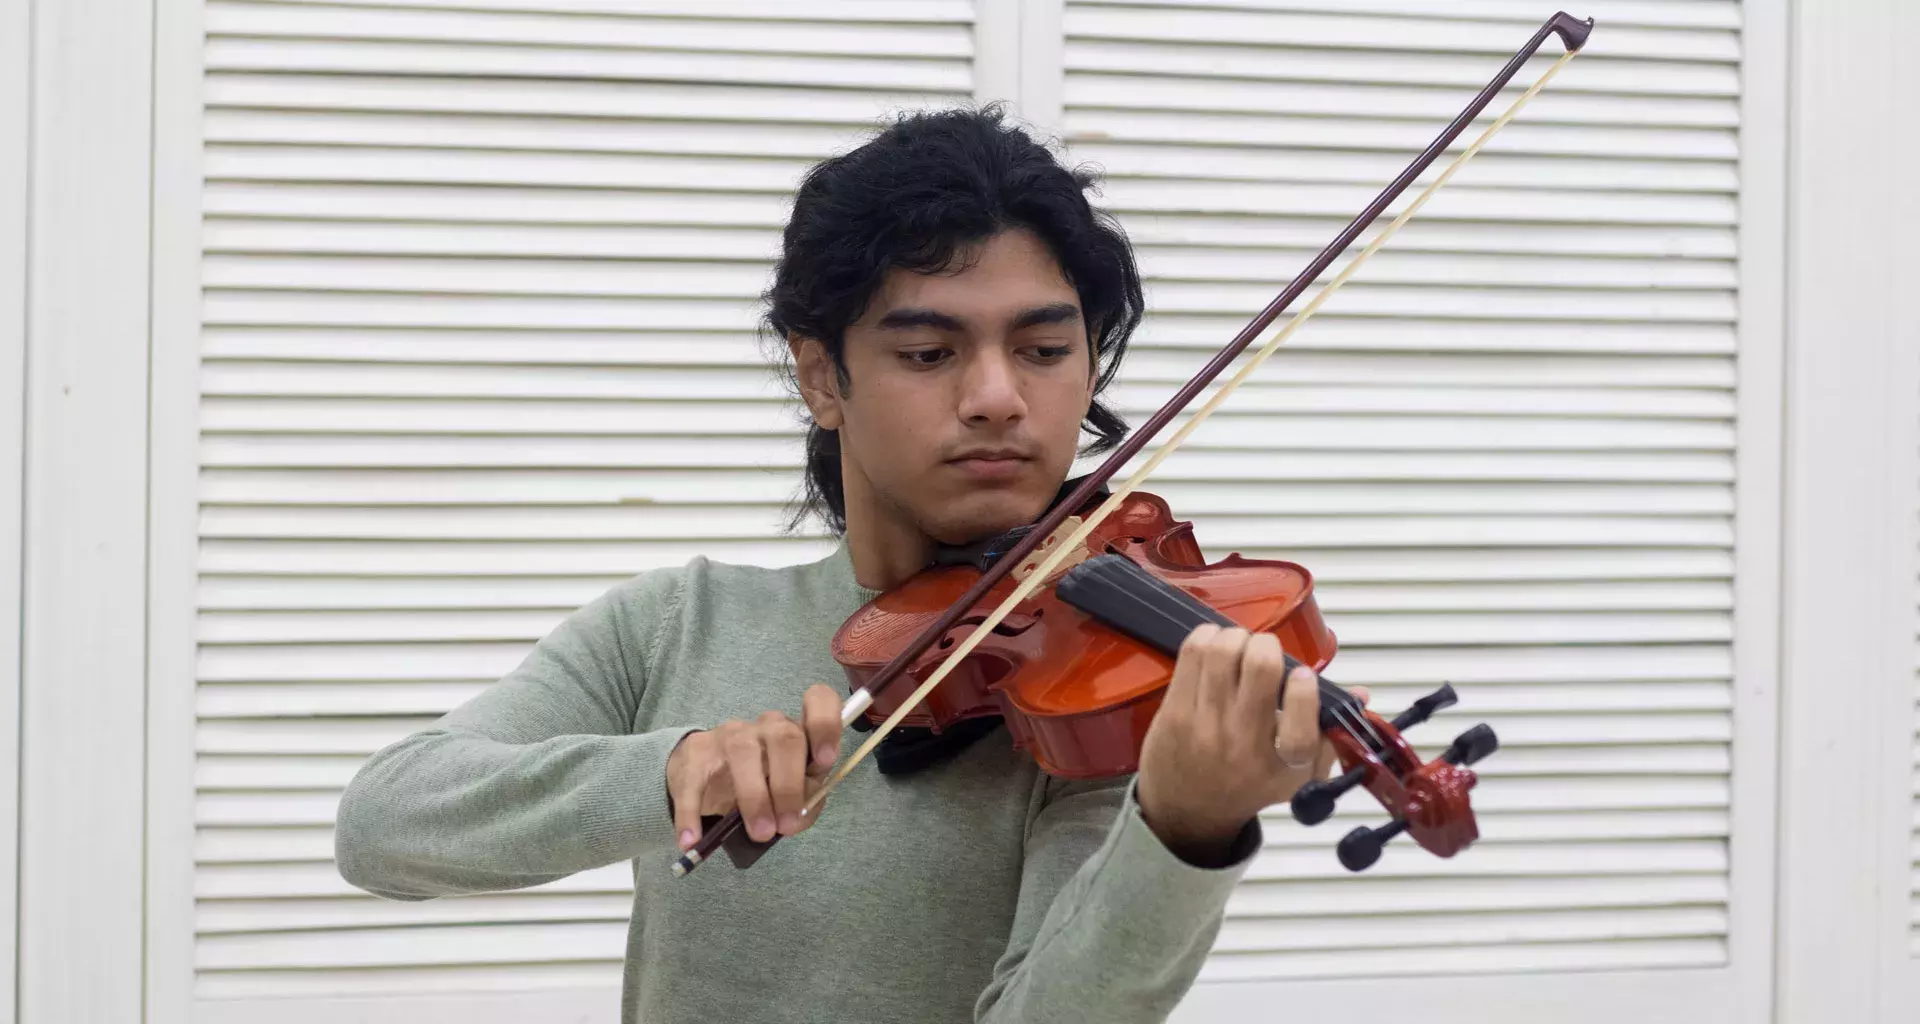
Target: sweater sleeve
{"x": 538, "y": 777}
{"x": 1111, "y": 926}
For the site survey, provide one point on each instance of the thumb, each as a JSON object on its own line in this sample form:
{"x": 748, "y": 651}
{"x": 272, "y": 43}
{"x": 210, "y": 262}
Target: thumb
{"x": 687, "y": 790}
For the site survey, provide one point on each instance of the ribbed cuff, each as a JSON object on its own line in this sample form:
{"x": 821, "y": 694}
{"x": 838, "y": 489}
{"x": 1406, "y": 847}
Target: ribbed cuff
{"x": 1136, "y": 847}
{"x": 625, "y": 811}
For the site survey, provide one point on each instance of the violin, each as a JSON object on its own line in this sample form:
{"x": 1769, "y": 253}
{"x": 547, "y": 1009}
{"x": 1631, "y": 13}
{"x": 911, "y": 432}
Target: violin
{"x": 1067, "y": 628}
{"x": 1078, "y": 669}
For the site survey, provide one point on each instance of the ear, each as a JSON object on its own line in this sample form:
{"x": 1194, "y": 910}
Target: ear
{"x": 819, "y": 381}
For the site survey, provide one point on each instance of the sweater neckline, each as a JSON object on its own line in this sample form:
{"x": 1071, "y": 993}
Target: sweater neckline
{"x": 838, "y": 569}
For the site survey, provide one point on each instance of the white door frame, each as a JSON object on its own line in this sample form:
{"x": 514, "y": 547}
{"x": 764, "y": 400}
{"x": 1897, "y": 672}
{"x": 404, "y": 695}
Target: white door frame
{"x": 173, "y": 506}
{"x": 1853, "y": 489}
{"x": 82, "y": 725}
{"x": 16, "y": 135}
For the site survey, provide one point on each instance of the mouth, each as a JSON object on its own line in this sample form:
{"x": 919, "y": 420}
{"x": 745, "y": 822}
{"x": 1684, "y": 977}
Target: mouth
{"x": 991, "y": 463}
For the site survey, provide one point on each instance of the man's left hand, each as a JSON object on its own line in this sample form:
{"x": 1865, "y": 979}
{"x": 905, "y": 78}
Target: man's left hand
{"x": 1217, "y": 751}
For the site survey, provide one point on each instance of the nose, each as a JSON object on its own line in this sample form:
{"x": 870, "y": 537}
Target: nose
{"x": 990, "y": 389}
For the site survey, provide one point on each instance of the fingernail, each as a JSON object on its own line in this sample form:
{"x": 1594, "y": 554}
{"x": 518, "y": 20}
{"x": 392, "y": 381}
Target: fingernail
{"x": 763, "y": 827}
{"x": 687, "y": 838}
{"x": 789, "y": 823}
{"x": 824, "y": 755}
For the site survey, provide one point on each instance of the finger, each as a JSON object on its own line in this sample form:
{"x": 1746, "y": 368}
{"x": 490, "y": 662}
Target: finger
{"x": 1289, "y": 779}
{"x": 1183, "y": 690}
{"x": 1361, "y": 694}
{"x": 1300, "y": 718}
{"x": 820, "y": 717}
{"x": 1324, "y": 762}
{"x": 1262, "y": 670}
{"x": 786, "y": 747}
{"x": 747, "y": 766}
{"x": 1220, "y": 679}
{"x": 687, "y": 789}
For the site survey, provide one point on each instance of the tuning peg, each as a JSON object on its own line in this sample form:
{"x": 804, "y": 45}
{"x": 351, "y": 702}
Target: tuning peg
{"x": 1359, "y": 848}
{"x": 1423, "y": 709}
{"x": 1313, "y": 802}
{"x": 1472, "y": 745}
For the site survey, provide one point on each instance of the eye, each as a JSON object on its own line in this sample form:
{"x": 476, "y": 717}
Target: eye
{"x": 1050, "y": 353}
{"x": 925, "y": 357}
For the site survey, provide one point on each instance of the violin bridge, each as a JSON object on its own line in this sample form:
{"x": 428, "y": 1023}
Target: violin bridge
{"x": 1032, "y": 563}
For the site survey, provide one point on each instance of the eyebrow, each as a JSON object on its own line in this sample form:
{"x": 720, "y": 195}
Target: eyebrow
{"x": 908, "y": 317}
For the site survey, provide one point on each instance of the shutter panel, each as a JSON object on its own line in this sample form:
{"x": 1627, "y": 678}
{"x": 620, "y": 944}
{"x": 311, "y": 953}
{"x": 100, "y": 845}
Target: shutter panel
{"x": 1506, "y": 450}
{"x": 480, "y": 294}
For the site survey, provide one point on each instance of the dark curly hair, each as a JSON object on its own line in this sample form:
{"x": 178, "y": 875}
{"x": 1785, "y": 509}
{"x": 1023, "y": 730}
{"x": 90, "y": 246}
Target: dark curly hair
{"x": 919, "y": 196}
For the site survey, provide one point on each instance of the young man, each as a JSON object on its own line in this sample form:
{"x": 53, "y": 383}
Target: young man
{"x": 952, "y": 307}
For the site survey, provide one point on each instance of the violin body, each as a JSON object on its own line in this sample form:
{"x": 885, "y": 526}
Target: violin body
{"x": 1074, "y": 692}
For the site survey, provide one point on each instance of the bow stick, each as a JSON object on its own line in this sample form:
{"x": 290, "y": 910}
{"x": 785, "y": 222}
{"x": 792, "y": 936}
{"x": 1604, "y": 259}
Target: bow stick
{"x": 1573, "y": 33}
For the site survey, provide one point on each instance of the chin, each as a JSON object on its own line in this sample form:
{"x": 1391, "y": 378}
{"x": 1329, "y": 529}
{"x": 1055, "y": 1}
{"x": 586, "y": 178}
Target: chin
{"x": 982, "y": 513}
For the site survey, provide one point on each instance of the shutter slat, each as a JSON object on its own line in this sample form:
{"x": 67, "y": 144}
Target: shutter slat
{"x": 1345, "y": 932}
{"x": 268, "y": 915}
{"x": 1621, "y": 76}
{"x": 474, "y": 131}
{"x": 612, "y": 61}
{"x": 589, "y": 32}
{"x": 1244, "y": 128}
{"x": 558, "y": 98}
{"x": 1638, "y": 13}
{"x": 1093, "y": 88}
{"x": 781, "y": 11}
{"x": 1613, "y": 954}
{"x": 1378, "y": 30}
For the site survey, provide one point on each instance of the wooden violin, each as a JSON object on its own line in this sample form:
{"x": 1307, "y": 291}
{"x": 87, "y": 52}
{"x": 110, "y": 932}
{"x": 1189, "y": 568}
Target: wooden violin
{"x": 1069, "y": 632}
{"x": 1078, "y": 669}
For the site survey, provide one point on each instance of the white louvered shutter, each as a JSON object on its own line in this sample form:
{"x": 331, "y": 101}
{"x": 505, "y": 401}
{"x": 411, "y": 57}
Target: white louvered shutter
{"x": 1914, "y": 849}
{"x": 480, "y": 290}
{"x": 1506, "y": 449}
{"x": 480, "y": 287}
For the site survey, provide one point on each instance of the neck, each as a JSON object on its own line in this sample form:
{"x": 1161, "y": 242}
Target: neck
{"x": 886, "y": 546}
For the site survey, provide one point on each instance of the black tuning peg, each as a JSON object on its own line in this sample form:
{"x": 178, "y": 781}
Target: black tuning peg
{"x": 1472, "y": 745}
{"x": 1359, "y": 848}
{"x": 1313, "y": 802}
{"x": 1423, "y": 709}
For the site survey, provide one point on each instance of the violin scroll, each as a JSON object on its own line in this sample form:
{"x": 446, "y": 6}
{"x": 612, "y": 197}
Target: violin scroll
{"x": 1426, "y": 799}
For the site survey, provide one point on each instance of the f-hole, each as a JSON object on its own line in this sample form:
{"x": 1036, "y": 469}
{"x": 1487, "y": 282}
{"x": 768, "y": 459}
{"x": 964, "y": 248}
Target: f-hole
{"x": 1014, "y": 624}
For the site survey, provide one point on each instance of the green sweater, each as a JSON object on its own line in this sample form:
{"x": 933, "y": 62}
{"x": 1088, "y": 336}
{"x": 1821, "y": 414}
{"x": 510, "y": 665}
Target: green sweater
{"x": 980, "y": 889}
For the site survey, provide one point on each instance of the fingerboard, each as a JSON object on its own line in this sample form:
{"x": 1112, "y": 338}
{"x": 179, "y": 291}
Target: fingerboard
{"x": 1120, "y": 594}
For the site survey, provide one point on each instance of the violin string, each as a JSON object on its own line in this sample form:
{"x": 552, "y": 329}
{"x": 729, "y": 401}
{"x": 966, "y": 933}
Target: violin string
{"x": 1342, "y": 712}
{"x": 1058, "y": 551}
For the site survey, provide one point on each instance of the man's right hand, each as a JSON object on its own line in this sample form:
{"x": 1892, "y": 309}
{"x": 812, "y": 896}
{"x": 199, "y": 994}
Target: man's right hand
{"x": 763, "y": 767}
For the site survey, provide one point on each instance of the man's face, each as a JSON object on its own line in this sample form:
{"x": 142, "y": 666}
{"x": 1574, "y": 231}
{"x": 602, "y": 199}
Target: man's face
{"x": 967, "y": 391}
